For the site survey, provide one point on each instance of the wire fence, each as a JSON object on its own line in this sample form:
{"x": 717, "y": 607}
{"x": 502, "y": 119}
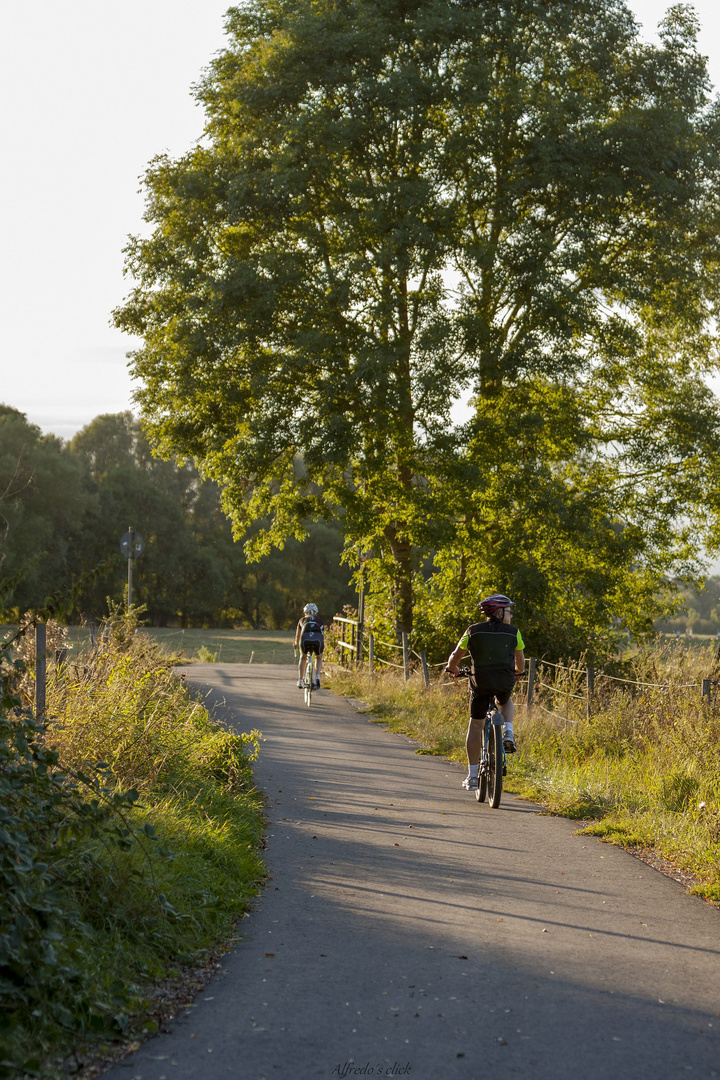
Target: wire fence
{"x": 543, "y": 682}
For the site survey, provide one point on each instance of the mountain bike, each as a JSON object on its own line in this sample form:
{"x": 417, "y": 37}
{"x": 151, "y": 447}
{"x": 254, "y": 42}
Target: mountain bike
{"x": 493, "y": 764}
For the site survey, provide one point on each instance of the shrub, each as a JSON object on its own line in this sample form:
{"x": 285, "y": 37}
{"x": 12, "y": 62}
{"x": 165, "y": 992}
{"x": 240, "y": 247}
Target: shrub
{"x": 129, "y": 836}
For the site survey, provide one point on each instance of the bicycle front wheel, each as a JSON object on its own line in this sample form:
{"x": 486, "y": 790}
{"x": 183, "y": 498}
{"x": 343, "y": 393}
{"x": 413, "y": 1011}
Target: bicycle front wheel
{"x": 495, "y": 765}
{"x": 481, "y": 793}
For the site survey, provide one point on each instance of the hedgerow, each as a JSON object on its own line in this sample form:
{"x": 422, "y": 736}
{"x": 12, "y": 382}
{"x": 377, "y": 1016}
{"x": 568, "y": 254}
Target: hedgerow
{"x": 129, "y": 837}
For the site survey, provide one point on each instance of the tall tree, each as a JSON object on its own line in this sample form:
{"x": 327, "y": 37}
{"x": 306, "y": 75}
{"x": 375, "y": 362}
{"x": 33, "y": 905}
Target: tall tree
{"x": 296, "y": 343}
{"x": 587, "y": 174}
{"x": 191, "y": 571}
{"x": 43, "y": 503}
{"x": 401, "y": 201}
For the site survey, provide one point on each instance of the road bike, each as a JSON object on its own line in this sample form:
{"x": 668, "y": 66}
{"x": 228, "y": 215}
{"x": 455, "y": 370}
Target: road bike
{"x": 493, "y": 765}
{"x": 310, "y": 677}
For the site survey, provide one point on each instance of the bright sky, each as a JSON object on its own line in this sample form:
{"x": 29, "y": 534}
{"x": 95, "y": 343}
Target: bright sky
{"x": 91, "y": 92}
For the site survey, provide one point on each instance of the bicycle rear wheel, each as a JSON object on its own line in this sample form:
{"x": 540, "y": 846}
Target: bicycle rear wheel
{"x": 495, "y": 765}
{"x": 309, "y": 678}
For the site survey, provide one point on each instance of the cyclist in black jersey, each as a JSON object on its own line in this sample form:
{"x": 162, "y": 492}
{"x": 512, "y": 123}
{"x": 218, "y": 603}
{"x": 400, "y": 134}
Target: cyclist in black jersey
{"x": 309, "y": 637}
{"x": 496, "y": 651}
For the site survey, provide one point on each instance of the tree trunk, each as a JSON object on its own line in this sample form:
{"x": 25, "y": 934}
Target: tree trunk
{"x": 401, "y": 549}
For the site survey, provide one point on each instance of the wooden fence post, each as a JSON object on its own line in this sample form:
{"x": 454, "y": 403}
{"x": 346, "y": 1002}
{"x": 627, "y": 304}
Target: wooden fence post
{"x": 590, "y": 687}
{"x": 706, "y": 690}
{"x": 371, "y": 653}
{"x": 406, "y": 655}
{"x": 531, "y": 681}
{"x": 40, "y": 668}
{"x": 426, "y": 673}
{"x": 360, "y": 623}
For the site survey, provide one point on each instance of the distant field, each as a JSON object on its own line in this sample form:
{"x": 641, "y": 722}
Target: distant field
{"x": 228, "y": 646}
{"x": 225, "y": 646}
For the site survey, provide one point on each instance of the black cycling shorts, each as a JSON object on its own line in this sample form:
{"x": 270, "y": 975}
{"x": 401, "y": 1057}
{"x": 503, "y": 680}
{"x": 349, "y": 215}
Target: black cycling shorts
{"x": 480, "y": 701}
{"x": 309, "y": 645}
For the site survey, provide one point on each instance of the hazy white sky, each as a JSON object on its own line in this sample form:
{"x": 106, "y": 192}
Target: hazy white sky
{"x": 90, "y": 92}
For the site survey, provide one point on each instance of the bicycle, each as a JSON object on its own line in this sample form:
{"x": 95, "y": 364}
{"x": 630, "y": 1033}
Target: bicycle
{"x": 310, "y": 677}
{"x": 493, "y": 764}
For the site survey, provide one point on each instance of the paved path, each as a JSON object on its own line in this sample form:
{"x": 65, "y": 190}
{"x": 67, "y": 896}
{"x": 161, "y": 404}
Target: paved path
{"x": 406, "y": 927}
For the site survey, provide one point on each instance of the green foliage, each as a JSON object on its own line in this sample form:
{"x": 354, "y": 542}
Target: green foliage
{"x": 191, "y": 571}
{"x": 44, "y": 501}
{"x": 394, "y": 208}
{"x": 50, "y": 823}
{"x": 129, "y": 830}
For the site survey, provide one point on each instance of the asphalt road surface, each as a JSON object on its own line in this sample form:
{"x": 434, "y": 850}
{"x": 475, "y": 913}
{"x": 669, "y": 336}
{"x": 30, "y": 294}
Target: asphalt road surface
{"x": 407, "y": 930}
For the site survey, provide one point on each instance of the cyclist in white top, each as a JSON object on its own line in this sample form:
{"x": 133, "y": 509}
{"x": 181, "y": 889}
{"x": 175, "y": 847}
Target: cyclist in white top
{"x": 309, "y": 637}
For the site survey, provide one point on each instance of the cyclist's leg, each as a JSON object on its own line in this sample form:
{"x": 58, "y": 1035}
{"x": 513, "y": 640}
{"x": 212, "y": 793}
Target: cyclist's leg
{"x": 507, "y": 708}
{"x": 479, "y": 702}
{"x": 301, "y": 664}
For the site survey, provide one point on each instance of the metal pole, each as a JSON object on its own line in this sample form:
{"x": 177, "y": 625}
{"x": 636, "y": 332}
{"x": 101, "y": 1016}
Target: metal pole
{"x": 40, "y": 668}
{"x": 406, "y": 655}
{"x": 531, "y": 681}
{"x": 371, "y": 652}
{"x": 130, "y": 559}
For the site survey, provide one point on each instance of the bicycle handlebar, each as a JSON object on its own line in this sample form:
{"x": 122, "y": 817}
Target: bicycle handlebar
{"x": 466, "y": 672}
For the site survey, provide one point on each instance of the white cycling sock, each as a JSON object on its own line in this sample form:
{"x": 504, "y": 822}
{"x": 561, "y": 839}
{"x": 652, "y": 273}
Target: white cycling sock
{"x": 473, "y": 769}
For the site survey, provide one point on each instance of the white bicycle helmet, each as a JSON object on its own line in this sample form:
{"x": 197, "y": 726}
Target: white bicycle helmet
{"x": 310, "y": 609}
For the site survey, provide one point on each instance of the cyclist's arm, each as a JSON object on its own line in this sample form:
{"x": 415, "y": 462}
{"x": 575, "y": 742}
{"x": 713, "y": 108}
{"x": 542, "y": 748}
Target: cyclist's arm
{"x": 459, "y": 651}
{"x": 298, "y": 635}
{"x": 454, "y": 659}
{"x": 519, "y": 654}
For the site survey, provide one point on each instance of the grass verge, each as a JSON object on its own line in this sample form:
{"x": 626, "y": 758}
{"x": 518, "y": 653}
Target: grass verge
{"x": 129, "y": 845}
{"x": 643, "y": 770}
